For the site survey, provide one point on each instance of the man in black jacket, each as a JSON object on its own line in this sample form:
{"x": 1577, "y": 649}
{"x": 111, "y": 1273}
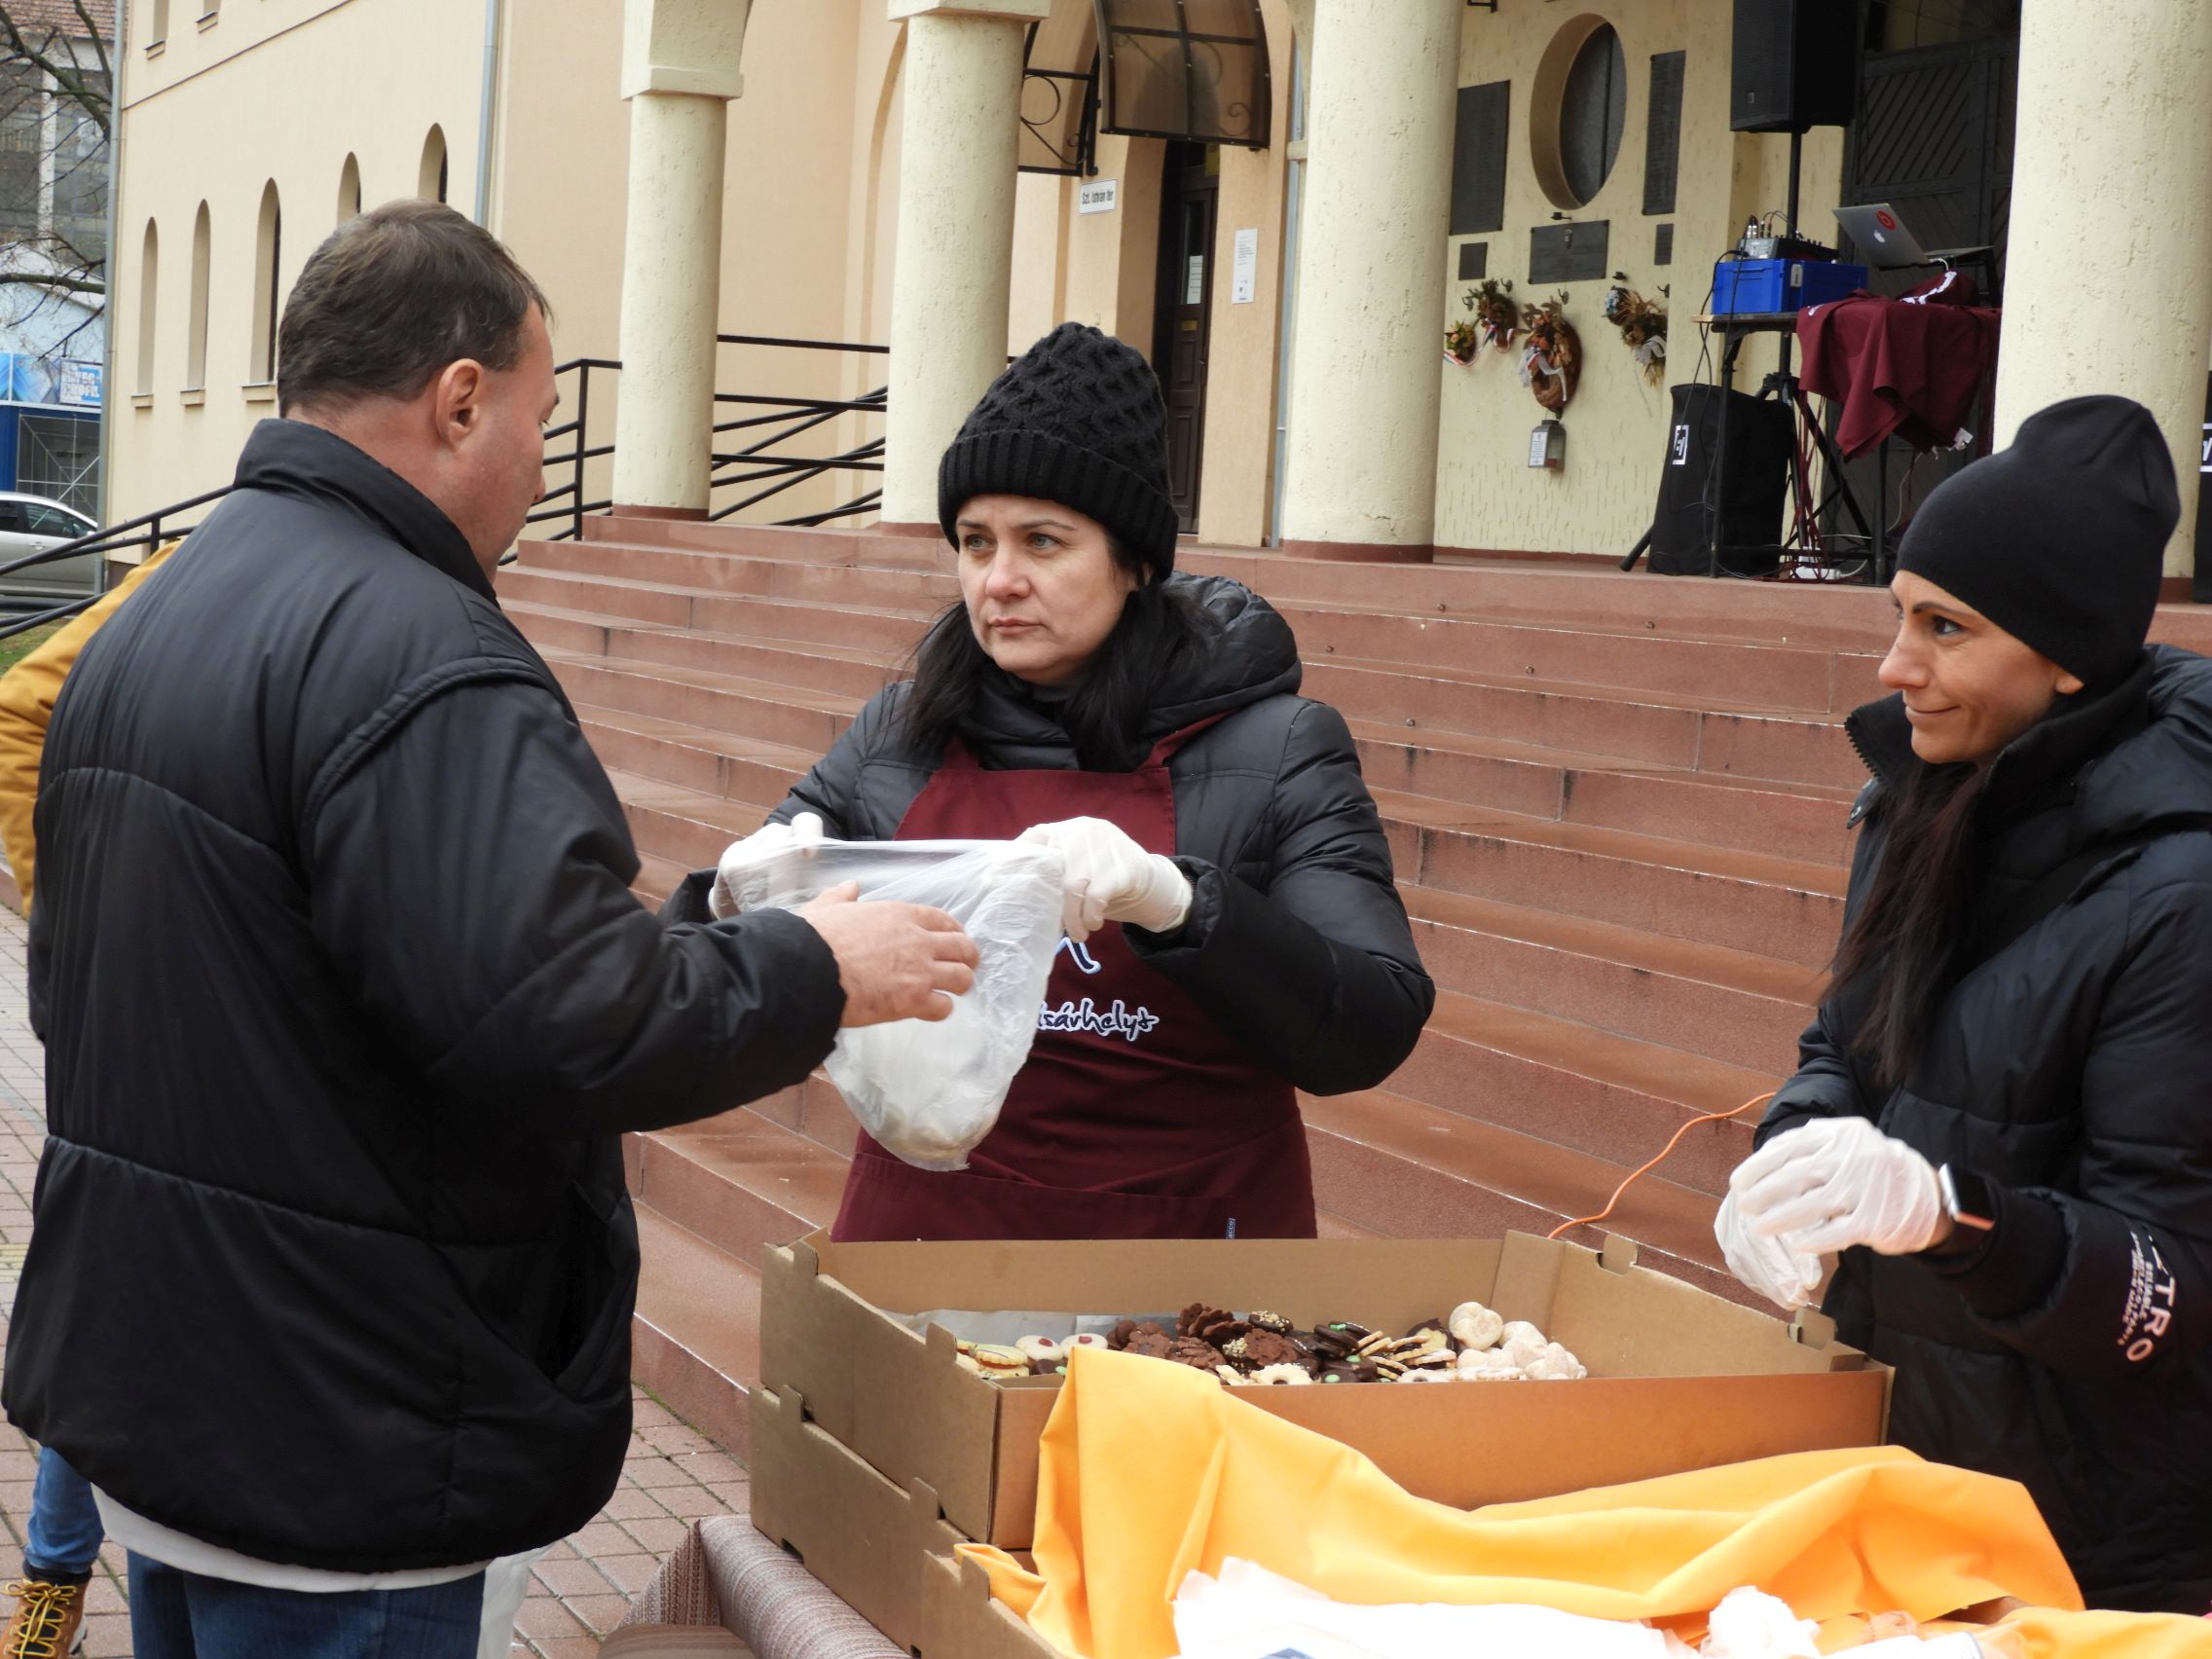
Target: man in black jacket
{"x": 344, "y": 998}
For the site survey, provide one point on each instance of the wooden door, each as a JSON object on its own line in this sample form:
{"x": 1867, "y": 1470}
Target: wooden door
{"x": 1189, "y": 198}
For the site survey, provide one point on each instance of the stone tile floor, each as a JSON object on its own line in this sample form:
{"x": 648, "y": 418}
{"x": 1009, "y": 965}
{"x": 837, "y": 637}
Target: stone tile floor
{"x": 582, "y": 1587}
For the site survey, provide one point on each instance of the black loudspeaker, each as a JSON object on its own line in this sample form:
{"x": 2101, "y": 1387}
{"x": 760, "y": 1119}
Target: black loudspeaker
{"x": 1796, "y": 65}
{"x": 1759, "y": 436}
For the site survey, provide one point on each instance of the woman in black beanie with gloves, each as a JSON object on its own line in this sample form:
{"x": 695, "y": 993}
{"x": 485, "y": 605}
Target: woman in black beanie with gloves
{"x": 1233, "y": 931}
{"x": 2002, "y": 1115}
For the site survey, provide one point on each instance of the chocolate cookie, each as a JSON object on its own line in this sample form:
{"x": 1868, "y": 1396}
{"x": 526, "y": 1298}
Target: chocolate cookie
{"x": 1194, "y": 1320}
{"x": 1350, "y": 1370}
{"x": 1149, "y": 1339}
{"x": 1195, "y": 1352}
{"x": 1262, "y": 1348}
{"x": 1262, "y": 1320}
{"x": 1118, "y": 1339}
{"x": 1222, "y": 1332}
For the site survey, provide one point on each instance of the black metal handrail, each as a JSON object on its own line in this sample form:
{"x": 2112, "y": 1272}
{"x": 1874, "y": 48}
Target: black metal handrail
{"x": 566, "y": 499}
{"x": 152, "y": 531}
{"x": 756, "y": 463}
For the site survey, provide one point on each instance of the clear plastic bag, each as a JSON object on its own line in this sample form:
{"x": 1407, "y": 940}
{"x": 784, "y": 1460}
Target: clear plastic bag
{"x": 930, "y": 1090}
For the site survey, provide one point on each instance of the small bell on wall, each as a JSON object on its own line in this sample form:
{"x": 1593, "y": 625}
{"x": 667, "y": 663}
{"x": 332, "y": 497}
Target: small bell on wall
{"x": 1547, "y": 445}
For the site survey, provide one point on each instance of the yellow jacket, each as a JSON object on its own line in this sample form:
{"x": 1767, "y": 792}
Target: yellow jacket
{"x": 27, "y": 703}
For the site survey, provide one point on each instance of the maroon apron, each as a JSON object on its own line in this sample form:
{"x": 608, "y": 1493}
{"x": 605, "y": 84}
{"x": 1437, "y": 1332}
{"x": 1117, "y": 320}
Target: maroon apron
{"x": 1135, "y": 1117}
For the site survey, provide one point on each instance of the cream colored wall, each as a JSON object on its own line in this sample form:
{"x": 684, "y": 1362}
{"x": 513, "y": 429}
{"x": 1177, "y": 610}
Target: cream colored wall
{"x": 214, "y": 116}
{"x": 1488, "y": 499}
{"x": 813, "y": 172}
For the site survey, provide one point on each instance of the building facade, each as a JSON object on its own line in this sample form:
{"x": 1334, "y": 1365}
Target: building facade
{"x": 1285, "y": 203}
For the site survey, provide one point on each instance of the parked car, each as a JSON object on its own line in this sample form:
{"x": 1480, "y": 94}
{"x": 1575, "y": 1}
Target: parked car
{"x": 31, "y": 524}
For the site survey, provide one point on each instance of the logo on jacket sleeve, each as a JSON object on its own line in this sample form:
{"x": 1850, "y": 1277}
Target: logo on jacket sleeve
{"x": 2149, "y": 1313}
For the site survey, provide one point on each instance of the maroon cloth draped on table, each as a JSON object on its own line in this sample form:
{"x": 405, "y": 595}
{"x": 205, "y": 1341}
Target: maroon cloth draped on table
{"x": 1916, "y": 367}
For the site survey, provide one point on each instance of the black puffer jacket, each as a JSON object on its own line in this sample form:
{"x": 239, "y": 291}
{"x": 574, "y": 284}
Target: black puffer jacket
{"x": 2073, "y": 1070}
{"x": 1297, "y": 942}
{"x": 343, "y": 997}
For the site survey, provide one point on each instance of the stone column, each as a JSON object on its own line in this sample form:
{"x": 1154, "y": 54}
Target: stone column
{"x": 679, "y": 70}
{"x": 2108, "y": 287}
{"x": 1366, "y": 384}
{"x": 952, "y": 272}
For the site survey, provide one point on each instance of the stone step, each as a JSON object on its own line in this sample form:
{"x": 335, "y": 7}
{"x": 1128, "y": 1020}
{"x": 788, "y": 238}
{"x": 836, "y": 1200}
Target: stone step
{"x": 1725, "y": 1005}
{"x": 1786, "y": 908}
{"x": 874, "y": 585}
{"x": 1410, "y": 1170}
{"x": 1797, "y": 821}
{"x": 718, "y": 702}
{"x": 580, "y": 592}
{"x": 1616, "y": 1097}
{"x": 1781, "y": 676}
{"x": 695, "y": 1340}
{"x": 712, "y": 764}
{"x": 1684, "y": 733}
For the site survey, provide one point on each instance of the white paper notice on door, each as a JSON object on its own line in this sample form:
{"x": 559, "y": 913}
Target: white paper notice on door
{"x": 1099, "y": 195}
{"x": 1244, "y": 277}
{"x": 1194, "y": 280}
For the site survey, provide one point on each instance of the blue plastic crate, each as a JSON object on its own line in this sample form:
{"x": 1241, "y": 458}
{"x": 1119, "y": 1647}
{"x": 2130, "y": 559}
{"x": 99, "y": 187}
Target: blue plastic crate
{"x": 1781, "y": 285}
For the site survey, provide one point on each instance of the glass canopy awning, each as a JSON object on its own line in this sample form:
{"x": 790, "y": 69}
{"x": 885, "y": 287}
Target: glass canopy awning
{"x": 1190, "y": 70}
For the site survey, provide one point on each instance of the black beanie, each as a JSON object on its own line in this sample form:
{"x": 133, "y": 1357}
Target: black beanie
{"x": 1077, "y": 420}
{"x": 2059, "y": 539}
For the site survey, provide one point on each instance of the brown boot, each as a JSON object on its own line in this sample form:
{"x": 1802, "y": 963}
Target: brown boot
{"x": 48, "y": 1621}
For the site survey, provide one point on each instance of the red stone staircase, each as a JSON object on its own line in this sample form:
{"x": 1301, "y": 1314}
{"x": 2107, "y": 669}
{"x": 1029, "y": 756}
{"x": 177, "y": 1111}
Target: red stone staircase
{"x": 1616, "y": 803}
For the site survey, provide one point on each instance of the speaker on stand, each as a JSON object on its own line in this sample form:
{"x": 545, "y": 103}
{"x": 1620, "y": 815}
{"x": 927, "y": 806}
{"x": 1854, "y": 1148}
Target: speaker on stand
{"x": 1795, "y": 67}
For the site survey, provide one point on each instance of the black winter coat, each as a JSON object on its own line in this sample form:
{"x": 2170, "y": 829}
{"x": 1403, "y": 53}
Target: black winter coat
{"x": 344, "y": 998}
{"x": 2072, "y": 1069}
{"x": 1297, "y": 942}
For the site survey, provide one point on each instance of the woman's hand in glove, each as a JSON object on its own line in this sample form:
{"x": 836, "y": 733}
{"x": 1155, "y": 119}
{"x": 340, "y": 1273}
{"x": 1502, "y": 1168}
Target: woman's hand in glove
{"x": 1785, "y": 1277}
{"x": 1110, "y": 878}
{"x": 1836, "y": 1182}
{"x": 803, "y": 831}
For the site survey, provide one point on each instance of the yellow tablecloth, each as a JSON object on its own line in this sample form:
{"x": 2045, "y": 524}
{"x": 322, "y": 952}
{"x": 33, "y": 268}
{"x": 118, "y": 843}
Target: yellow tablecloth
{"x": 1151, "y": 1470}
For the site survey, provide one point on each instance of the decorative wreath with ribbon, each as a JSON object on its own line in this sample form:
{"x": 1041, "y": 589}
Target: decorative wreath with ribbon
{"x": 1494, "y": 320}
{"x": 1551, "y": 354}
{"x": 1643, "y": 324}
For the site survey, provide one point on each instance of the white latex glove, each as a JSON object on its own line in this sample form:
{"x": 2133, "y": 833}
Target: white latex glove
{"x": 1110, "y": 878}
{"x": 1787, "y": 1277}
{"x": 1839, "y": 1181}
{"x": 803, "y": 831}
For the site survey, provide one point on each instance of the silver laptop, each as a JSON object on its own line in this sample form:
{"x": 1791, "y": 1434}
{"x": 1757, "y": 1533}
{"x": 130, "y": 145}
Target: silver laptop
{"x": 1881, "y": 237}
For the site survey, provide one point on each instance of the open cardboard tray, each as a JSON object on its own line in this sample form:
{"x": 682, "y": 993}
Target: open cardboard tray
{"x": 1679, "y": 1378}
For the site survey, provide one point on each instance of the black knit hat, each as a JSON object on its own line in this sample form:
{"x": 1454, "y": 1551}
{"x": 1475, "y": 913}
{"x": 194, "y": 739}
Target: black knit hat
{"x": 1077, "y": 420}
{"x": 2060, "y": 540}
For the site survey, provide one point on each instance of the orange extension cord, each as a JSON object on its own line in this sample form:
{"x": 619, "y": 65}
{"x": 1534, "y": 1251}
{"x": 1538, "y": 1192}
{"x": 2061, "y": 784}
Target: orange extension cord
{"x": 1636, "y": 1175}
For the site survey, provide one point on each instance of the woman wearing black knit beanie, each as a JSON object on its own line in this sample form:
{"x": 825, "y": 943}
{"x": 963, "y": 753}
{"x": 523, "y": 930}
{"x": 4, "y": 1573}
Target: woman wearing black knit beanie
{"x": 1233, "y": 933}
{"x": 2001, "y": 1116}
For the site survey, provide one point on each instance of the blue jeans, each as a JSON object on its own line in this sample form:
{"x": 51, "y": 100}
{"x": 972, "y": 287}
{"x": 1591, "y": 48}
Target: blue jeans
{"x": 62, "y": 1539}
{"x": 182, "y": 1615}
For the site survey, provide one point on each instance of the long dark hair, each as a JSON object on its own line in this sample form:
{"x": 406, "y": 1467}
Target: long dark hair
{"x": 1104, "y": 713}
{"x": 1901, "y": 952}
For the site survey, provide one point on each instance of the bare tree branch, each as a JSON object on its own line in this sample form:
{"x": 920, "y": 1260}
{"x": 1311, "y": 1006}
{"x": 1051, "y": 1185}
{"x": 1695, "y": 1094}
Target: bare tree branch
{"x": 64, "y": 285}
{"x": 59, "y": 67}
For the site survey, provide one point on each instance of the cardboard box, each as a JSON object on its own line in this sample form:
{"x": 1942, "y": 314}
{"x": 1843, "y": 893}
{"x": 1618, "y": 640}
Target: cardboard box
{"x": 961, "y": 1620}
{"x": 866, "y": 1538}
{"x": 1679, "y": 1378}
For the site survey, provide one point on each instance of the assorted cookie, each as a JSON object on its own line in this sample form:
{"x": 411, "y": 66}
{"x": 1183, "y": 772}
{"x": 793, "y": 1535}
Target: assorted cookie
{"x": 1472, "y": 1343}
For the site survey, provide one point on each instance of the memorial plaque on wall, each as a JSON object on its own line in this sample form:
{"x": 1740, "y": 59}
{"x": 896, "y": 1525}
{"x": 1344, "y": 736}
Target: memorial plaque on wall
{"x": 1474, "y": 261}
{"x": 1568, "y": 254}
{"x": 1662, "y": 131}
{"x": 1478, "y": 159}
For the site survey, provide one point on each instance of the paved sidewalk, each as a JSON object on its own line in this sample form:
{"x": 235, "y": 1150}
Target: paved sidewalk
{"x": 582, "y": 1588}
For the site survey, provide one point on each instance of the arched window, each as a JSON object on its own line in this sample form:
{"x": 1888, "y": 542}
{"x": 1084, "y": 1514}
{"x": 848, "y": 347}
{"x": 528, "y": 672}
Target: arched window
{"x": 430, "y": 182}
{"x": 196, "y": 343}
{"x": 149, "y": 293}
{"x": 349, "y": 190}
{"x": 268, "y": 255}
{"x": 158, "y": 22}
